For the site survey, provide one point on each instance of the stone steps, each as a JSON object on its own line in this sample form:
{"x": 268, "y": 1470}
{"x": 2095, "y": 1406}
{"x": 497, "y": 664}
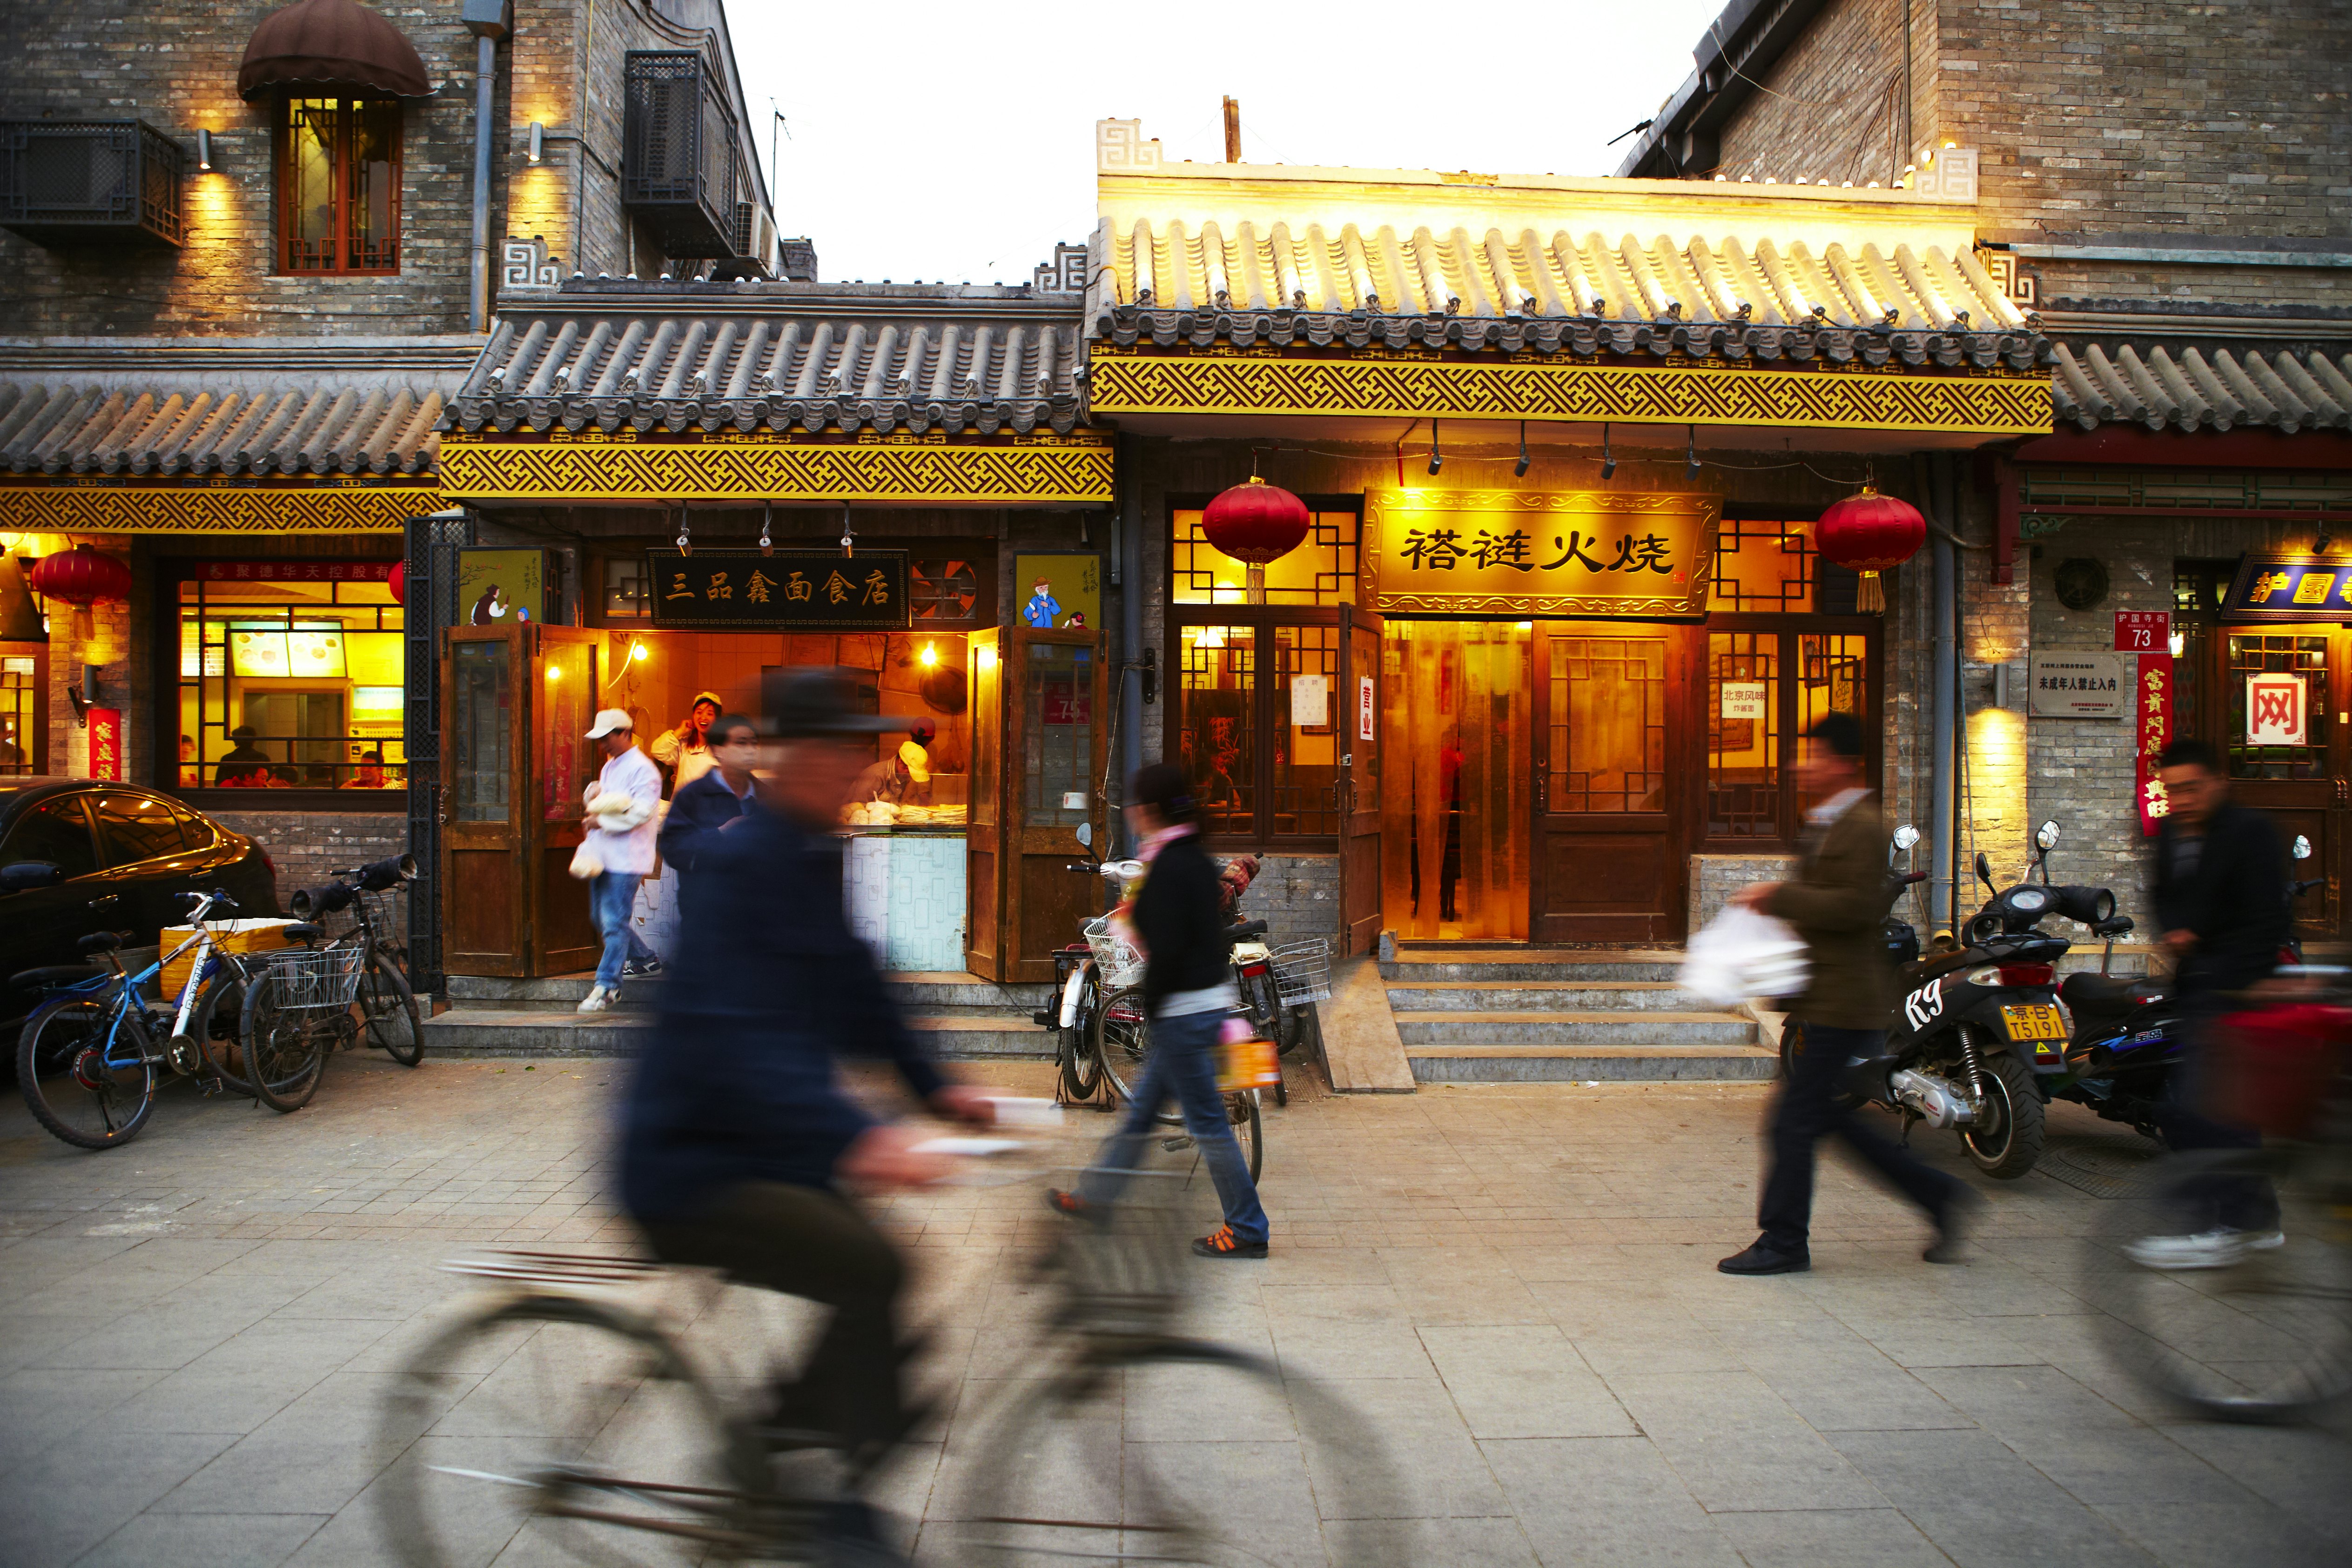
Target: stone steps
{"x": 1626, "y": 1028}
{"x": 1582, "y": 966}
{"x": 1536, "y": 995}
{"x": 1614, "y": 1064}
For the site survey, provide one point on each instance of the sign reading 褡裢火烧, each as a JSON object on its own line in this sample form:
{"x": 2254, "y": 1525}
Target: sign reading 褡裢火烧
{"x": 2077, "y": 686}
{"x": 2289, "y": 588}
{"x": 787, "y": 590}
{"x": 1518, "y": 553}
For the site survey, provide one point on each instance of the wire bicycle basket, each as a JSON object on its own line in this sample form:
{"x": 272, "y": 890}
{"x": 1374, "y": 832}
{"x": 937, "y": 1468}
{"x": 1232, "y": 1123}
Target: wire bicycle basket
{"x": 1302, "y": 972}
{"x": 324, "y": 977}
{"x": 1120, "y": 963}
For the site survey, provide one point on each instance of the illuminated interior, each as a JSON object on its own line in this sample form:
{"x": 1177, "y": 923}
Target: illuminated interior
{"x": 292, "y": 684}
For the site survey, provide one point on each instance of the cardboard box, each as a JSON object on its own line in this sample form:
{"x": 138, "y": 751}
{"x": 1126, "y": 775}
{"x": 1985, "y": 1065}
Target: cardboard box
{"x": 254, "y": 935}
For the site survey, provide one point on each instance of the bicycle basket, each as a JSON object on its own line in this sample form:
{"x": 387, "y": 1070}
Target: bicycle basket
{"x": 1302, "y": 972}
{"x": 1120, "y": 963}
{"x": 321, "y": 977}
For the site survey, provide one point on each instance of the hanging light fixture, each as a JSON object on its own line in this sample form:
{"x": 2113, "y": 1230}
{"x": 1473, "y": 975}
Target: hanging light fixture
{"x": 767, "y": 515}
{"x": 1521, "y": 470}
{"x": 1690, "y": 451}
{"x": 848, "y": 538}
{"x": 685, "y": 534}
{"x": 1608, "y": 464}
{"x": 83, "y": 577}
{"x": 1436, "y": 453}
{"x": 1870, "y": 533}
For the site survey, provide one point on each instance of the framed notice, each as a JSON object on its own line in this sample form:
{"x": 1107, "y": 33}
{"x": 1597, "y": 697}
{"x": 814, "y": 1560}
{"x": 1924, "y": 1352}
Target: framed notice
{"x": 1743, "y": 699}
{"x": 2078, "y": 685}
{"x": 782, "y": 591}
{"x": 1310, "y": 704}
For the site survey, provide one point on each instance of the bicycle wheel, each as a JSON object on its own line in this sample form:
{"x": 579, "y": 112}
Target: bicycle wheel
{"x": 553, "y": 1428}
{"x": 67, "y": 1083}
{"x": 1082, "y": 1064}
{"x": 219, "y": 1016}
{"x": 285, "y": 1047}
{"x": 1122, "y": 1040}
{"x": 2266, "y": 1334}
{"x": 388, "y": 1012}
{"x": 1095, "y": 1464}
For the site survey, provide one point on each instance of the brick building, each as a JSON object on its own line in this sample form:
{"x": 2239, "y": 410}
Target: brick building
{"x": 241, "y": 274}
{"x": 2163, "y": 186}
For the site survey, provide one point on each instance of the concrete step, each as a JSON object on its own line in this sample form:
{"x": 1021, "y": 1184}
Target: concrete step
{"x": 1492, "y": 1063}
{"x": 943, "y": 992}
{"x": 1538, "y": 995}
{"x": 1505, "y": 967}
{"x": 511, "y": 1031}
{"x": 1562, "y": 1028}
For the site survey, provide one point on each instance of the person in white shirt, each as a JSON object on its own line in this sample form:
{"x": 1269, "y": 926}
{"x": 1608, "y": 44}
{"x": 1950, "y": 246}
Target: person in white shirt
{"x": 623, "y": 819}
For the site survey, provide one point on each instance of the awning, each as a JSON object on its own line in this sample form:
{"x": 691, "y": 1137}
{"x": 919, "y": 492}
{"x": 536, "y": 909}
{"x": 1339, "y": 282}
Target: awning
{"x": 2192, "y": 387}
{"x": 330, "y": 44}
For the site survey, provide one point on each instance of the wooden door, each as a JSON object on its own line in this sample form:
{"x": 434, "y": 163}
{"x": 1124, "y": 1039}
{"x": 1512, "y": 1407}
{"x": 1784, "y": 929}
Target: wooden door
{"x": 1610, "y": 703}
{"x": 984, "y": 819}
{"x": 485, "y": 909}
{"x": 565, "y": 698}
{"x": 1360, "y": 704}
{"x": 2304, "y": 787}
{"x": 1055, "y": 704}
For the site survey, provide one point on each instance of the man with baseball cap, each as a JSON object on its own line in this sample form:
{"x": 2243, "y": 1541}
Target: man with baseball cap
{"x": 737, "y": 1136}
{"x": 621, "y": 824}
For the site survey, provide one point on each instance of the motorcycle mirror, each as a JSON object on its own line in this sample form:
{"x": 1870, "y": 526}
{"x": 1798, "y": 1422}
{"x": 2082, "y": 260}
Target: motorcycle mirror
{"x": 1984, "y": 871}
{"x": 1086, "y": 834}
{"x": 1906, "y": 836}
{"x": 2047, "y": 838}
{"x": 2302, "y": 848}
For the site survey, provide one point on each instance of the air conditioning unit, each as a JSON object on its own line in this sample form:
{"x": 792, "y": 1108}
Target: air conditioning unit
{"x": 678, "y": 160}
{"x": 63, "y": 180}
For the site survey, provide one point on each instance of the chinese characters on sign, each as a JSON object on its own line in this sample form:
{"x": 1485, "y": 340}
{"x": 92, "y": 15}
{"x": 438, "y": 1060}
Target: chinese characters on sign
{"x": 2154, "y": 707}
{"x": 1539, "y": 553}
{"x": 2077, "y": 686}
{"x": 294, "y": 571}
{"x": 1364, "y": 704}
{"x": 2276, "y": 711}
{"x": 2143, "y": 631}
{"x": 2290, "y": 588}
{"x": 788, "y": 590}
{"x": 106, "y": 744}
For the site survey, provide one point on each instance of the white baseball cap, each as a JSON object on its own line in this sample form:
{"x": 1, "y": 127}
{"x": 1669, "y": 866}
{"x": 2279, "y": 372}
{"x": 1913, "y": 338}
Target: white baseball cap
{"x": 609, "y": 719}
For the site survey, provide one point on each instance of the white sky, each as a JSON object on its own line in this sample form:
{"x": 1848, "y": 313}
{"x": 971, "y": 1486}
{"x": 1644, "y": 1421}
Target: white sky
{"x": 955, "y": 142}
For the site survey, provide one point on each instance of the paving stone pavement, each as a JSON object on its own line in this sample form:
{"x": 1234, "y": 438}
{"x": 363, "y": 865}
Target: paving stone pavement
{"x": 1514, "y": 1282}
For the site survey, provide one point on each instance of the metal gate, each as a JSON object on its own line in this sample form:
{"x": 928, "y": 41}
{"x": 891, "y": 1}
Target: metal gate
{"x": 430, "y": 595}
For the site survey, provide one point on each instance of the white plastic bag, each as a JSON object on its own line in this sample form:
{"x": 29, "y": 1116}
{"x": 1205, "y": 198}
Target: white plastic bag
{"x": 1744, "y": 953}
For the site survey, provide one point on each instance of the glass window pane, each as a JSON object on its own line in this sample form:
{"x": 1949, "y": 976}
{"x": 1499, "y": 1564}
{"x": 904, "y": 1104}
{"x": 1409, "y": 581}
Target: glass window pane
{"x": 1059, "y": 735}
{"x": 137, "y": 828}
{"x": 1763, "y": 566}
{"x": 1829, "y": 680}
{"x": 1306, "y": 784}
{"x": 374, "y": 173}
{"x": 1219, "y": 680}
{"x": 567, "y": 706}
{"x": 56, "y": 831}
{"x": 308, "y": 169}
{"x": 2278, "y": 652}
{"x": 1743, "y": 735}
{"x": 19, "y": 740}
{"x": 1321, "y": 570}
{"x": 1606, "y": 748}
{"x": 481, "y": 762}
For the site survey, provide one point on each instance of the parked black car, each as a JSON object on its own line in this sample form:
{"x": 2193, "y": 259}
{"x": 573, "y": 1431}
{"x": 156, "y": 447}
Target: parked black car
{"x": 127, "y": 853}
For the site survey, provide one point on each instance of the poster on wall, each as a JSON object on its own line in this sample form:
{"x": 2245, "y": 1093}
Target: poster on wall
{"x": 1058, "y": 593}
{"x": 2153, "y": 706}
{"x": 1310, "y": 703}
{"x": 2077, "y": 686}
{"x": 501, "y": 587}
{"x": 2276, "y": 712}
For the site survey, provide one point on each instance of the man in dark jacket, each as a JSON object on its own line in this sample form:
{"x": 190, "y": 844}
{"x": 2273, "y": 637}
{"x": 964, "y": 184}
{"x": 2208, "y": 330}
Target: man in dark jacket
{"x": 1188, "y": 994}
{"x": 2221, "y": 894}
{"x": 1837, "y": 901}
{"x": 735, "y": 1130}
{"x": 711, "y": 801}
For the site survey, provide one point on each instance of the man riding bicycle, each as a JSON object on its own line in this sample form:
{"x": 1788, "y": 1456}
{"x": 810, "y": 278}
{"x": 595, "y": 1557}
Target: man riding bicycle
{"x": 737, "y": 1135}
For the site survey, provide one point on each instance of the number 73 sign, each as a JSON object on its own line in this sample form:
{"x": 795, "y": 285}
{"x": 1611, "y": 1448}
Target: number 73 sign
{"x": 2276, "y": 711}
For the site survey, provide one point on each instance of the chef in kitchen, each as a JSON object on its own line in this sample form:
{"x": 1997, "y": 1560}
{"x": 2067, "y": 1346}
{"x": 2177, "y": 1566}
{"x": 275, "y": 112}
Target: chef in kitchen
{"x": 902, "y": 778}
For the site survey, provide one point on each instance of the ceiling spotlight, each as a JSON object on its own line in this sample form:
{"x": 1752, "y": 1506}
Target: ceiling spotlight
{"x": 1608, "y": 464}
{"x": 1520, "y": 470}
{"x": 1437, "y": 456}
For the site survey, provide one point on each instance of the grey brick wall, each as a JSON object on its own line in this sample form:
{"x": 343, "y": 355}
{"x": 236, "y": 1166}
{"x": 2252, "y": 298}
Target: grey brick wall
{"x": 1714, "y": 878}
{"x": 1297, "y": 896}
{"x": 307, "y": 845}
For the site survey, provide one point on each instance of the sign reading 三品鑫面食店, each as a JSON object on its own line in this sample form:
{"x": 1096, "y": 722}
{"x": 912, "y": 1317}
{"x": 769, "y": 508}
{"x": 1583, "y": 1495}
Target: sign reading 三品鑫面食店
{"x": 1514, "y": 552}
{"x": 2289, "y": 588}
{"x": 787, "y": 591}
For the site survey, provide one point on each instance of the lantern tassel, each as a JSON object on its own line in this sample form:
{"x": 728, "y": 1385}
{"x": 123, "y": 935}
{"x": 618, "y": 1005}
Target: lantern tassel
{"x": 1870, "y": 598}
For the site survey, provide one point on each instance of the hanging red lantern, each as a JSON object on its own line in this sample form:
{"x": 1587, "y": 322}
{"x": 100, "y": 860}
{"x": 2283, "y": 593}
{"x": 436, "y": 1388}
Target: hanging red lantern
{"x": 398, "y": 582}
{"x": 83, "y": 577}
{"x": 1870, "y": 533}
{"x": 1256, "y": 522}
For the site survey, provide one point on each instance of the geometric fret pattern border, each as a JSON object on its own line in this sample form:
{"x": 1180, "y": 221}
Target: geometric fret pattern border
{"x": 1059, "y": 471}
{"x": 201, "y": 510}
{"x": 1125, "y": 382}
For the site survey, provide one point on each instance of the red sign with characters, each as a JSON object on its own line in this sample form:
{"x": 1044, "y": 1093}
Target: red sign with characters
{"x": 2153, "y": 703}
{"x": 2143, "y": 631}
{"x": 106, "y": 744}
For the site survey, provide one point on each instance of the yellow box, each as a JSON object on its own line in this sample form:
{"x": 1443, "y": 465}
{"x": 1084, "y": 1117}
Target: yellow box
{"x": 254, "y": 935}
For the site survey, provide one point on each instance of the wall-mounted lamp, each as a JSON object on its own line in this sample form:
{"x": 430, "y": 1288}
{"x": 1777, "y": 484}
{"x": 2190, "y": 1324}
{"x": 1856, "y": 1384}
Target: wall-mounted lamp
{"x": 84, "y": 697}
{"x": 1690, "y": 451}
{"x": 203, "y": 152}
{"x": 538, "y": 141}
{"x": 1520, "y": 470}
{"x": 930, "y": 657}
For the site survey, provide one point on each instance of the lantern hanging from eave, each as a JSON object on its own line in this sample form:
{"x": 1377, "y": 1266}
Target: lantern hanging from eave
{"x": 398, "y": 582}
{"x": 1870, "y": 533}
{"x": 1256, "y": 524}
{"x": 83, "y": 577}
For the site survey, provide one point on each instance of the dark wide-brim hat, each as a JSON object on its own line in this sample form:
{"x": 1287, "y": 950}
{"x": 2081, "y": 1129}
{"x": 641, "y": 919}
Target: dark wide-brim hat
{"x": 809, "y": 702}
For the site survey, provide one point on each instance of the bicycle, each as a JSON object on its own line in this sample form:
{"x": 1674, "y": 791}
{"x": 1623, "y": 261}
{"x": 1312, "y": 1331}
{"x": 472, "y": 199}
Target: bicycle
{"x": 86, "y": 1059}
{"x": 389, "y": 1018}
{"x": 1081, "y": 983}
{"x": 298, "y": 1008}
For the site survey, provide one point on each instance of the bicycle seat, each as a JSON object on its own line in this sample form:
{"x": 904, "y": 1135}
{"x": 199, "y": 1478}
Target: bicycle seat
{"x": 101, "y": 942}
{"x": 2105, "y": 996}
{"x": 53, "y": 974}
{"x": 302, "y": 931}
{"x": 1245, "y": 930}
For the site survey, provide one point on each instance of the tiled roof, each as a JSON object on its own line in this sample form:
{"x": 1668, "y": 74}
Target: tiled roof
{"x": 2191, "y": 388}
{"x": 246, "y": 407}
{"x": 715, "y": 356}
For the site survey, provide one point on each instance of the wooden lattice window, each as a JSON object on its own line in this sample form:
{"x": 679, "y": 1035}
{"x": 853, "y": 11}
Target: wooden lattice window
{"x": 338, "y": 186}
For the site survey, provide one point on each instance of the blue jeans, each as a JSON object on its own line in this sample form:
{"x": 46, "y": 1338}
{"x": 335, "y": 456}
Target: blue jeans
{"x": 611, "y": 897}
{"x": 1181, "y": 1062}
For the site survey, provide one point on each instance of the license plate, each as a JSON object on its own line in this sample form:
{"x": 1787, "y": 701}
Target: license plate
{"x": 2034, "y": 1020}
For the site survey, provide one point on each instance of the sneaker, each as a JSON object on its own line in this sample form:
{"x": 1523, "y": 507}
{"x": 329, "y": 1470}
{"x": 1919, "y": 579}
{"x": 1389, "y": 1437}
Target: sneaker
{"x": 2206, "y": 1249}
{"x": 1223, "y": 1243}
{"x": 1068, "y": 1203}
{"x": 2263, "y": 1240}
{"x": 1763, "y": 1260}
{"x": 600, "y": 999}
{"x": 642, "y": 967}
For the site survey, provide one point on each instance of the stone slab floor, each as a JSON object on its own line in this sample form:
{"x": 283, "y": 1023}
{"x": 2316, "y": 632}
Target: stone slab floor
{"x": 1515, "y": 1283}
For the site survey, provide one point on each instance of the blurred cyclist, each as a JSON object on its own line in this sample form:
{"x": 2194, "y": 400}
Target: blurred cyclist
{"x": 736, "y": 1135}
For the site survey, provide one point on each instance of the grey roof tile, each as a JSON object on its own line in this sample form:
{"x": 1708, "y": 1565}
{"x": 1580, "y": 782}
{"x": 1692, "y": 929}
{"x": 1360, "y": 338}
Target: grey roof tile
{"x": 2188, "y": 387}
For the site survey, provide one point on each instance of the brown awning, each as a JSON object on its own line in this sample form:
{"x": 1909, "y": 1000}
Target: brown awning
{"x": 330, "y": 44}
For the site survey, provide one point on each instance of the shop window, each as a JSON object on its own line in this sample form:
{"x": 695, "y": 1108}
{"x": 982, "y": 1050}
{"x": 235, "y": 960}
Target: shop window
{"x": 1606, "y": 748}
{"x": 1058, "y": 736}
{"x": 21, "y": 740}
{"x": 625, "y": 595}
{"x": 1215, "y": 744}
{"x": 2303, "y": 654}
{"x": 338, "y": 186}
{"x": 1763, "y": 566}
{"x": 481, "y": 735}
{"x": 292, "y": 675}
{"x": 1830, "y": 678}
{"x": 1320, "y": 572}
{"x": 1743, "y": 735}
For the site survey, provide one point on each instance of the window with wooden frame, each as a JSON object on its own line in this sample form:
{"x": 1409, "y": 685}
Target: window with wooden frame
{"x": 338, "y": 186}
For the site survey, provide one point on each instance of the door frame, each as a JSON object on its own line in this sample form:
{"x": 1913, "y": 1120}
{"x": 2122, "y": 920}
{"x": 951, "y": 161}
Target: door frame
{"x": 1360, "y": 850}
{"x": 2330, "y": 796}
{"x": 507, "y": 839}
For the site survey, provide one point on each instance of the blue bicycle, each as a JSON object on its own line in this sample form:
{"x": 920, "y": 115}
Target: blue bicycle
{"x": 85, "y": 1061}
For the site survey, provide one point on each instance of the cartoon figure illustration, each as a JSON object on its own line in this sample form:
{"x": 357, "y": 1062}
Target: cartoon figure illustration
{"x": 1042, "y": 607}
{"x": 1076, "y": 622}
{"x": 490, "y": 608}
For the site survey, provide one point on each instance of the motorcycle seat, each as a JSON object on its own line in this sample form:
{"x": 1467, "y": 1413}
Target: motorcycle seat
{"x": 1937, "y": 963}
{"x": 2108, "y": 996}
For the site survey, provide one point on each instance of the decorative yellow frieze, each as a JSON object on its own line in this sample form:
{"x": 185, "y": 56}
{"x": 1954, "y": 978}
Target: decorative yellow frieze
{"x": 1405, "y": 386}
{"x": 1034, "y": 470}
{"x": 227, "y": 507}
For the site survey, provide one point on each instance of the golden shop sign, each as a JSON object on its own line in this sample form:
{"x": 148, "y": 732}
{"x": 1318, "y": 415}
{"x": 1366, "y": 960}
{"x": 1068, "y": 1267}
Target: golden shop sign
{"x": 1518, "y": 553}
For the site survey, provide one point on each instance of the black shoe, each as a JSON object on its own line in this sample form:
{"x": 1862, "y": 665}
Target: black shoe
{"x": 1952, "y": 1226}
{"x": 1763, "y": 1260}
{"x": 641, "y": 968}
{"x": 1223, "y": 1243}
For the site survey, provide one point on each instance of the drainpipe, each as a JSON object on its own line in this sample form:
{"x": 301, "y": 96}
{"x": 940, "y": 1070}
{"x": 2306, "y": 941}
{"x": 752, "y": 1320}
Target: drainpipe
{"x": 488, "y": 21}
{"x": 1130, "y": 608}
{"x": 1943, "y": 907}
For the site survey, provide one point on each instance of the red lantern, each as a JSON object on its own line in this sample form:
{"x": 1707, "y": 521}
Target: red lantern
{"x": 81, "y": 576}
{"x": 1257, "y": 523}
{"x": 1870, "y": 533}
{"x": 398, "y": 582}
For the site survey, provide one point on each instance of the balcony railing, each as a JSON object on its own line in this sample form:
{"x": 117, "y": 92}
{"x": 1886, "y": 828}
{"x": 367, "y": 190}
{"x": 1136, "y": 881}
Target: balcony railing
{"x": 679, "y": 171}
{"x": 104, "y": 180}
